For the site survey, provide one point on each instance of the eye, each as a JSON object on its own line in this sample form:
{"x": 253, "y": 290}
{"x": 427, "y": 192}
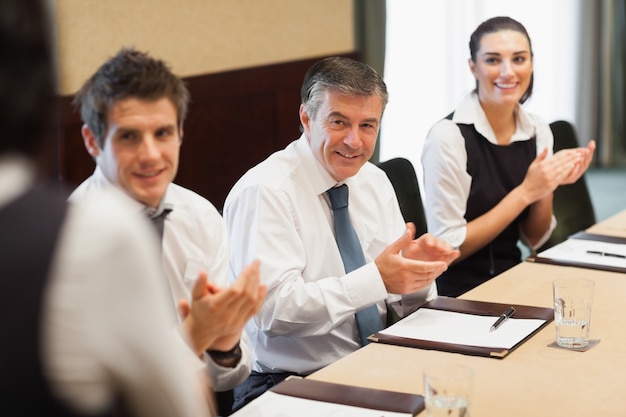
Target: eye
{"x": 519, "y": 59}
{"x": 162, "y": 133}
{"x": 127, "y": 136}
{"x": 491, "y": 60}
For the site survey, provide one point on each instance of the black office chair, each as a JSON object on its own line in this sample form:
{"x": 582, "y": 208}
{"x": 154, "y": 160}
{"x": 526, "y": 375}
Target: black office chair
{"x": 572, "y": 203}
{"x": 404, "y": 180}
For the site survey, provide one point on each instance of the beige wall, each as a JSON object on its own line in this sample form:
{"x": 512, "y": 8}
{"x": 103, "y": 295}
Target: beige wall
{"x": 198, "y": 36}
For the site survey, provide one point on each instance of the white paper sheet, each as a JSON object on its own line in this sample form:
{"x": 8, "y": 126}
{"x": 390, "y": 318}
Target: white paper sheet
{"x": 588, "y": 251}
{"x": 463, "y": 329}
{"x": 271, "y": 404}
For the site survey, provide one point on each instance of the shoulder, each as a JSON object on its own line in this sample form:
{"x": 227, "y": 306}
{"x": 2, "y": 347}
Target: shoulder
{"x": 371, "y": 172}
{"x": 276, "y": 174}
{"x": 444, "y": 138}
{"x": 109, "y": 211}
{"x": 442, "y": 130}
{"x": 538, "y": 127}
{"x": 372, "y": 181}
{"x": 104, "y": 225}
{"x": 80, "y": 191}
{"x": 190, "y": 201}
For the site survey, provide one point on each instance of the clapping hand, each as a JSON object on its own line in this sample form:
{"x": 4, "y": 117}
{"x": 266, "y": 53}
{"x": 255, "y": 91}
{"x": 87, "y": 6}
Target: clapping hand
{"x": 215, "y": 317}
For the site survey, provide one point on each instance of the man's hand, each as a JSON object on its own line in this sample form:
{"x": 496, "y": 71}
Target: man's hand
{"x": 215, "y": 317}
{"x": 409, "y": 265}
{"x": 429, "y": 248}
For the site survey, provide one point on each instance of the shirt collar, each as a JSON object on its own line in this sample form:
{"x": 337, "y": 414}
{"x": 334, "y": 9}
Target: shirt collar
{"x": 471, "y": 112}
{"x": 320, "y": 178}
{"x": 101, "y": 181}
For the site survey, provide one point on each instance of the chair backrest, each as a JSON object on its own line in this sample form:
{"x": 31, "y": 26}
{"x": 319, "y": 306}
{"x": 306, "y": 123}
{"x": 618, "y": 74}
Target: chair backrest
{"x": 404, "y": 180}
{"x": 572, "y": 205}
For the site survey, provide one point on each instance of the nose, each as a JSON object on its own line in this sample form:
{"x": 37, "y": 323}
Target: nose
{"x": 506, "y": 69}
{"x": 353, "y": 138}
{"x": 149, "y": 149}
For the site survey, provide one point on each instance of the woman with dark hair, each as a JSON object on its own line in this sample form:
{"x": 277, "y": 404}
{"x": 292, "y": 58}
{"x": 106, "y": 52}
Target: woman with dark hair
{"x": 489, "y": 170}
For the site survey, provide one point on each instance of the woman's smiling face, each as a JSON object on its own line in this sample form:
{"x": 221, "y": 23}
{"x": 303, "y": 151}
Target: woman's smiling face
{"x": 503, "y": 67}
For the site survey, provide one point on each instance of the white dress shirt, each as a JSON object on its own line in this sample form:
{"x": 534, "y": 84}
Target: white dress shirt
{"x": 279, "y": 213}
{"x": 194, "y": 239}
{"x": 104, "y": 326}
{"x": 444, "y": 160}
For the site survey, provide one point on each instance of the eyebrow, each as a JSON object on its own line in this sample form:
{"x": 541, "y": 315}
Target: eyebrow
{"x": 343, "y": 116}
{"x": 523, "y": 52}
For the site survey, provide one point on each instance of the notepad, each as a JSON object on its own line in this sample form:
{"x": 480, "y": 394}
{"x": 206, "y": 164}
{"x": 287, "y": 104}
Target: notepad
{"x": 463, "y": 329}
{"x": 310, "y": 398}
{"x": 462, "y": 326}
{"x": 588, "y": 250}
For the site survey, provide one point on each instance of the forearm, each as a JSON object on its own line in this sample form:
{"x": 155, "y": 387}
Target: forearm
{"x": 300, "y": 308}
{"x": 538, "y": 221}
{"x": 485, "y": 228}
{"x": 224, "y": 377}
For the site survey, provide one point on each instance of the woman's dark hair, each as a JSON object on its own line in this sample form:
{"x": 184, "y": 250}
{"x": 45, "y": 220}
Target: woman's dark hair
{"x": 497, "y": 24}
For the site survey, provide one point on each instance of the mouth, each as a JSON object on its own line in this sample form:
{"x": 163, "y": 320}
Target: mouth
{"x": 149, "y": 174}
{"x": 506, "y": 86}
{"x": 348, "y": 156}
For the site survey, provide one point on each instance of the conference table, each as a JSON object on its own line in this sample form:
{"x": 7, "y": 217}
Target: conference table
{"x": 534, "y": 379}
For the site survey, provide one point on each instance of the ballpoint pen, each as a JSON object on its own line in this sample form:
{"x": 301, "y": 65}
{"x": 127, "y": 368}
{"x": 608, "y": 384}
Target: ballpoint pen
{"x": 503, "y": 317}
{"x": 613, "y": 255}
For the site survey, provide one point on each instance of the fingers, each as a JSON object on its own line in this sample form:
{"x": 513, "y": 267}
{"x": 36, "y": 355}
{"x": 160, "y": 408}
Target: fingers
{"x": 574, "y": 162}
{"x": 200, "y": 289}
{"x": 183, "y": 308}
{"x": 411, "y": 227}
{"x": 543, "y": 155}
{"x": 591, "y": 145}
{"x": 417, "y": 275}
{"x": 406, "y": 238}
{"x": 246, "y": 295}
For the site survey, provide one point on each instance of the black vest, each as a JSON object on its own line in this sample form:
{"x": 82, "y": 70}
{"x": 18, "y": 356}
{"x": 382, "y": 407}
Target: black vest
{"x": 29, "y": 229}
{"x": 495, "y": 171}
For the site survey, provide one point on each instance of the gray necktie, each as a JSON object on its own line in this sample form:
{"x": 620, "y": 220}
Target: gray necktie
{"x": 158, "y": 220}
{"x": 368, "y": 321}
{"x": 157, "y": 217}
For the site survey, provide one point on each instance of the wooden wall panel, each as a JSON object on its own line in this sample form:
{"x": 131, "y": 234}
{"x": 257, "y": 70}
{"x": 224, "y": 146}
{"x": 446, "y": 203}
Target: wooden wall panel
{"x": 236, "y": 119}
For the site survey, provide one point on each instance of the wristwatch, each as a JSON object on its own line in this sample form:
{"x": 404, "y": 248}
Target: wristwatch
{"x": 228, "y": 358}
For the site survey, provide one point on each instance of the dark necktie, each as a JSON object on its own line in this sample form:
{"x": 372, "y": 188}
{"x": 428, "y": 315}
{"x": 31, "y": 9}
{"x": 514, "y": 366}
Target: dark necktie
{"x": 157, "y": 217}
{"x": 368, "y": 321}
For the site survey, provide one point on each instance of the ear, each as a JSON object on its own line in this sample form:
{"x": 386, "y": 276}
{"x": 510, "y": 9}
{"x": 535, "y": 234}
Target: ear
{"x": 180, "y": 134}
{"x": 472, "y": 66}
{"x": 90, "y": 142}
{"x": 305, "y": 119}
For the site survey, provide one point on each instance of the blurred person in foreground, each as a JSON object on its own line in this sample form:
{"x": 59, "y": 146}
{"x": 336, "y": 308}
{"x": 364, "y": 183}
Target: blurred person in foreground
{"x": 84, "y": 325}
{"x": 323, "y": 302}
{"x": 133, "y": 108}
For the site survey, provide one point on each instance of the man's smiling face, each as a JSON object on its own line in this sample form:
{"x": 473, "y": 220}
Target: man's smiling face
{"x": 343, "y": 133}
{"x": 141, "y": 148}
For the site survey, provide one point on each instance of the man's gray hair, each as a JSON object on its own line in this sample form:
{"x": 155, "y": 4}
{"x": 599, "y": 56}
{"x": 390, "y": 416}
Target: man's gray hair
{"x": 350, "y": 77}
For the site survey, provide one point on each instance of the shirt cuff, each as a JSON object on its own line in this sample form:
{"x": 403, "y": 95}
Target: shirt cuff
{"x": 365, "y": 286}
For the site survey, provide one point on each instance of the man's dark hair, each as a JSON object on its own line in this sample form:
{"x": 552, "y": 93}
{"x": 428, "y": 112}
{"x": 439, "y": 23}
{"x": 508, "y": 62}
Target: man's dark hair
{"x": 129, "y": 74}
